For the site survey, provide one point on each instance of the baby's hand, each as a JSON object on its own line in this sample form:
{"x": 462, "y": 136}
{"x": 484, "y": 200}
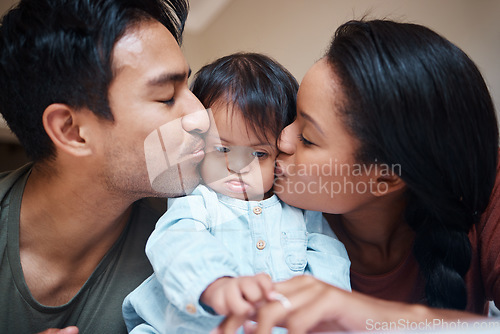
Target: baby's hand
{"x": 237, "y": 295}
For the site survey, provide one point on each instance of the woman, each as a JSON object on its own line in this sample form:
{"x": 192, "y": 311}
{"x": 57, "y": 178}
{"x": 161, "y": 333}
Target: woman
{"x": 396, "y": 140}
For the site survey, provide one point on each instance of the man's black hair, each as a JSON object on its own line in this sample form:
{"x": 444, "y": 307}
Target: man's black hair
{"x": 60, "y": 51}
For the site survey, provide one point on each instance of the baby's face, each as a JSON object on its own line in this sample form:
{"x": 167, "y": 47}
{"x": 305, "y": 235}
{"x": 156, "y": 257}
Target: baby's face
{"x": 237, "y": 162}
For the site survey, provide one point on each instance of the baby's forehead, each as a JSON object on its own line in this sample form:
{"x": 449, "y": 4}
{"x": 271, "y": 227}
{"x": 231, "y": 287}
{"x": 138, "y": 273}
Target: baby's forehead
{"x": 231, "y": 126}
{"x": 255, "y": 117}
{"x": 244, "y": 139}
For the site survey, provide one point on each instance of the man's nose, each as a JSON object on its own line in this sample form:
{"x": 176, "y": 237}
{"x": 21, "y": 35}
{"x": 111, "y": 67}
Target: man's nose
{"x": 287, "y": 142}
{"x": 195, "y": 117}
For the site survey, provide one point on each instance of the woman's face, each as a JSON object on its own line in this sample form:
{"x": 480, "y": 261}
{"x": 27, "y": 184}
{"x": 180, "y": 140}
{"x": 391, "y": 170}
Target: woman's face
{"x": 317, "y": 169}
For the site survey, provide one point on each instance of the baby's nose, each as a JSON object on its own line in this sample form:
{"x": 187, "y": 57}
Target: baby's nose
{"x": 238, "y": 160}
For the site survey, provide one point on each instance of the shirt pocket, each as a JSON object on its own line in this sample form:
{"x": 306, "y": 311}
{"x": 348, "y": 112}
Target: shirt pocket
{"x": 294, "y": 245}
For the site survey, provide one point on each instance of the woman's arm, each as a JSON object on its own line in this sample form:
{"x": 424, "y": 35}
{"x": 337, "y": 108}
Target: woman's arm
{"x": 317, "y": 306}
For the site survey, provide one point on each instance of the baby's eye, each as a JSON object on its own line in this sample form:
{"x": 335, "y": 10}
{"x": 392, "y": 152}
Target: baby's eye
{"x": 260, "y": 155}
{"x": 222, "y": 149}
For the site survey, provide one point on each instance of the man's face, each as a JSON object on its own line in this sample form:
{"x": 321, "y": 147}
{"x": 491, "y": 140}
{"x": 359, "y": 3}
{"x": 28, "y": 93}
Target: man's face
{"x": 154, "y": 144}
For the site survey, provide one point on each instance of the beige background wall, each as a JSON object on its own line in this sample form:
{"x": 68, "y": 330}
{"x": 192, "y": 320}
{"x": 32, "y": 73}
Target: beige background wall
{"x": 297, "y": 32}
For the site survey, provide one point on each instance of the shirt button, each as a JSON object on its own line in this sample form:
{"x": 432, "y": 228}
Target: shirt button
{"x": 261, "y": 244}
{"x": 190, "y": 308}
{"x": 257, "y": 210}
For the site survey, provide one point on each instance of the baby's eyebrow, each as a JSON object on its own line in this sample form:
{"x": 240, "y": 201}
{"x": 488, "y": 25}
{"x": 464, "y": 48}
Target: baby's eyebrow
{"x": 262, "y": 144}
{"x": 215, "y": 136}
{"x": 230, "y": 143}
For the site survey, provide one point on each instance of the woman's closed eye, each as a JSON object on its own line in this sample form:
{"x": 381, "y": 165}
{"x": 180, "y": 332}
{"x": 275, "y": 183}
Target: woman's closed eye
{"x": 304, "y": 141}
{"x": 169, "y": 102}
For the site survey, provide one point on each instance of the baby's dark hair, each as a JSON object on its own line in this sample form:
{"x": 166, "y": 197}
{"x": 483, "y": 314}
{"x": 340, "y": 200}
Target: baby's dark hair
{"x": 260, "y": 87}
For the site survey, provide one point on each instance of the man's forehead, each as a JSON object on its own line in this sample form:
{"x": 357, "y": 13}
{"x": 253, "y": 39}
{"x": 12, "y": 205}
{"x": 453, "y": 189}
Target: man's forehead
{"x": 146, "y": 40}
{"x": 130, "y": 42}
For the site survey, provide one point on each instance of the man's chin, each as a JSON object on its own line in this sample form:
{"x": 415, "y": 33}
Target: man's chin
{"x": 176, "y": 182}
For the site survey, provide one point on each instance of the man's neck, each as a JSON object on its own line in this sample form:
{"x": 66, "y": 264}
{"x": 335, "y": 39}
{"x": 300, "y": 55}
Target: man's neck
{"x": 66, "y": 228}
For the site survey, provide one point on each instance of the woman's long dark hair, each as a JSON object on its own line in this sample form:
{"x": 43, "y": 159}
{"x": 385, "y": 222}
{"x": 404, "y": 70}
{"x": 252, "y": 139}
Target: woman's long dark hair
{"x": 415, "y": 99}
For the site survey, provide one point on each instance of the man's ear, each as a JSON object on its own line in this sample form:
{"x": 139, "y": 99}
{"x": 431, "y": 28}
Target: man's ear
{"x": 63, "y": 124}
{"x": 387, "y": 183}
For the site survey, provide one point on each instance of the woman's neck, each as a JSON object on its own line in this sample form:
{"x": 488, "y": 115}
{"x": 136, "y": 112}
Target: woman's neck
{"x": 377, "y": 238}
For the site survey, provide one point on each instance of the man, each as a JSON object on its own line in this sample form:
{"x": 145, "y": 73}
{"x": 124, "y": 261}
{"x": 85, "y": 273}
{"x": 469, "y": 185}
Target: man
{"x": 96, "y": 91}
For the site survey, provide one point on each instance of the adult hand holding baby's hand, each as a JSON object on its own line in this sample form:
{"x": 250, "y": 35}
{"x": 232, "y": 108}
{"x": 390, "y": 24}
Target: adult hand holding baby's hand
{"x": 237, "y": 296}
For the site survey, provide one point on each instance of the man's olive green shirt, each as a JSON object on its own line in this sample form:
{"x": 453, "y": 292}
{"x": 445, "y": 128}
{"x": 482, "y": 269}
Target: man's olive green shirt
{"x": 96, "y": 308}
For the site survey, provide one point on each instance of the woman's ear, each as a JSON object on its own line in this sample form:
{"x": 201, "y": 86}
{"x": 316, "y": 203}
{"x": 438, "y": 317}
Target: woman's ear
{"x": 387, "y": 183}
{"x": 64, "y": 125}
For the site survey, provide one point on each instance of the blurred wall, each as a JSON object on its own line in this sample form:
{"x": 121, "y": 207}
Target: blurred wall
{"x": 297, "y": 32}
{"x": 6, "y": 4}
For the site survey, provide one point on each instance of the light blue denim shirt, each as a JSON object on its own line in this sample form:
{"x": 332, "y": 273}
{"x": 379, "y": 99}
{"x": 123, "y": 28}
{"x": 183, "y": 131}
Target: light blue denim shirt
{"x": 206, "y": 235}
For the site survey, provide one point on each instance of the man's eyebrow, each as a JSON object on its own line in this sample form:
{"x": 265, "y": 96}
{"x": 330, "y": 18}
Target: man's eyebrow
{"x": 312, "y": 121}
{"x": 167, "y": 78}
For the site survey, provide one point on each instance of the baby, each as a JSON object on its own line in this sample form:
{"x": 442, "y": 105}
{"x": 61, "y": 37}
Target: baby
{"x": 208, "y": 247}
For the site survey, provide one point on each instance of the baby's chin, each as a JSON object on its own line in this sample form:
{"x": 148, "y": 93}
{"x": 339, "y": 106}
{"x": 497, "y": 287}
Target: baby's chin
{"x": 245, "y": 196}
{"x": 244, "y": 193}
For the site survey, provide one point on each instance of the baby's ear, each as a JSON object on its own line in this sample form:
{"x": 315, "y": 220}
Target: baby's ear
{"x": 66, "y": 128}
